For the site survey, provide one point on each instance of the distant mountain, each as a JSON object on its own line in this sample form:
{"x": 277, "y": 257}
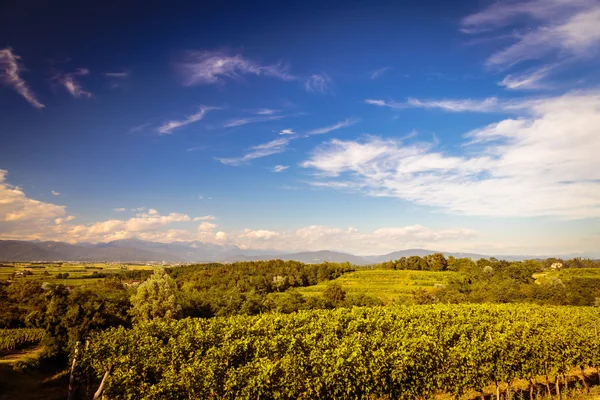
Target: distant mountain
{"x": 307, "y": 257}
{"x": 130, "y": 250}
{"x": 14, "y": 250}
{"x": 127, "y": 250}
{"x": 396, "y": 255}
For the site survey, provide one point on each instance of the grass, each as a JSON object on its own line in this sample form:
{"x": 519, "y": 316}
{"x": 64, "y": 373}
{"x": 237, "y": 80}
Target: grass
{"x": 387, "y": 285}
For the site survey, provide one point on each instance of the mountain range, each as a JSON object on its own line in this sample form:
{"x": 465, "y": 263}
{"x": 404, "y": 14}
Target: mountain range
{"x": 131, "y": 250}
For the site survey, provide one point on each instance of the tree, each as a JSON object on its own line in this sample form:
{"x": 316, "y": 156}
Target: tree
{"x": 155, "y": 298}
{"x": 334, "y": 293}
{"x": 436, "y": 262}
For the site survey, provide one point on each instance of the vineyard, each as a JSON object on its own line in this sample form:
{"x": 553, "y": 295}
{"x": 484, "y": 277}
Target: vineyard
{"x": 381, "y": 352}
{"x": 11, "y": 339}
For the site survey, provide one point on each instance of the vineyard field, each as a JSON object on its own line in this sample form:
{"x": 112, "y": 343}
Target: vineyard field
{"x": 380, "y": 352}
{"x": 385, "y": 284}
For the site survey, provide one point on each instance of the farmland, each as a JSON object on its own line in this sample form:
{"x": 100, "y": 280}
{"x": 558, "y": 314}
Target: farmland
{"x": 78, "y": 273}
{"x": 387, "y": 285}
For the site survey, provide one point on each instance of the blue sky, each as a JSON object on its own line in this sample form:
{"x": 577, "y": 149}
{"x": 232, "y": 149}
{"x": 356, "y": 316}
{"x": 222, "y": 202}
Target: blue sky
{"x": 367, "y": 128}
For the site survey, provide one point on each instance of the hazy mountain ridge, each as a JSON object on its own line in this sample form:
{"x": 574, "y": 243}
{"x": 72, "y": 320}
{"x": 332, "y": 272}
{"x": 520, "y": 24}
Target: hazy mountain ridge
{"x": 130, "y": 250}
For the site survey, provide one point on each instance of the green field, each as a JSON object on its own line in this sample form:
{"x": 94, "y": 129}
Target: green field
{"x": 387, "y": 285}
{"x": 79, "y": 273}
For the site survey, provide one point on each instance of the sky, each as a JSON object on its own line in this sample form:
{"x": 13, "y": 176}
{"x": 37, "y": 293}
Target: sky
{"x": 365, "y": 127}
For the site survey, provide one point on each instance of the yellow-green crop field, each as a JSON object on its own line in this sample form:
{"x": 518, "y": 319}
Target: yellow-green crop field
{"x": 387, "y": 285}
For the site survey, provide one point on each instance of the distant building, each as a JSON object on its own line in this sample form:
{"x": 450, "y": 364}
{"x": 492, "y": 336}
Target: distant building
{"x": 132, "y": 284}
{"x": 556, "y": 266}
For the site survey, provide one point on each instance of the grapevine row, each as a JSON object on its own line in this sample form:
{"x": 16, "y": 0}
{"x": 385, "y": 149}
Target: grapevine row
{"x": 381, "y": 352}
{"x": 11, "y": 339}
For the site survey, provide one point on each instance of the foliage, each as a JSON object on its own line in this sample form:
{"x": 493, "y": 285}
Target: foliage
{"x": 155, "y": 298}
{"x": 397, "y": 352}
{"x": 11, "y": 339}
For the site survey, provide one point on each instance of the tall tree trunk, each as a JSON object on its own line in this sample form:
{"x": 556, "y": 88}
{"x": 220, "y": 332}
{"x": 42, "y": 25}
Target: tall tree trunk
{"x": 72, "y": 377}
{"x": 481, "y": 395}
{"x": 101, "y": 387}
{"x": 558, "y": 393}
{"x": 497, "y": 391}
{"x": 585, "y": 385}
{"x": 508, "y": 395}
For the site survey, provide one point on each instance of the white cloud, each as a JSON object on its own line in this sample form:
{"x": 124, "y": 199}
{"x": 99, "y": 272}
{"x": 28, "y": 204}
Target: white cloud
{"x": 490, "y": 104}
{"x": 560, "y": 28}
{"x": 206, "y": 226}
{"x": 169, "y": 127}
{"x": 59, "y": 221}
{"x": 286, "y": 132}
{"x": 251, "y": 120}
{"x": 378, "y": 73}
{"x": 318, "y": 83}
{"x": 266, "y": 111}
{"x": 319, "y": 237}
{"x": 119, "y": 209}
{"x": 22, "y": 218}
{"x": 262, "y": 150}
{"x": 205, "y": 218}
{"x": 9, "y": 76}
{"x": 530, "y": 80}
{"x": 543, "y": 164}
{"x": 72, "y": 85}
{"x": 280, "y": 168}
{"x": 343, "y": 124}
{"x": 211, "y": 67}
{"x": 20, "y": 215}
{"x": 259, "y": 234}
{"x": 54, "y": 193}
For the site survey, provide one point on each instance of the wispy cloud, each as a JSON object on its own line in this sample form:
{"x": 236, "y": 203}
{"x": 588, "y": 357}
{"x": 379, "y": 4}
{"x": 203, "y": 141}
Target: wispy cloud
{"x": 266, "y": 111}
{"x": 262, "y": 150}
{"x": 251, "y": 120}
{"x": 139, "y": 128}
{"x": 530, "y": 80}
{"x": 70, "y": 82}
{"x": 205, "y": 218}
{"x": 117, "y": 79}
{"x": 119, "y": 209}
{"x": 169, "y": 127}
{"x": 542, "y": 164}
{"x": 327, "y": 129}
{"x": 195, "y": 148}
{"x": 378, "y": 73}
{"x": 280, "y": 168}
{"x": 287, "y": 132}
{"x": 55, "y": 193}
{"x": 10, "y": 76}
{"x": 563, "y": 28}
{"x": 212, "y": 67}
{"x": 489, "y": 104}
{"x": 318, "y": 83}
{"x": 121, "y": 75}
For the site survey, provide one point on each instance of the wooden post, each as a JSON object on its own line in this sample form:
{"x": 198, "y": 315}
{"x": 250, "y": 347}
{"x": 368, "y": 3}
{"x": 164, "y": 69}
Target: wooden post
{"x": 101, "y": 387}
{"x": 585, "y": 385}
{"x": 72, "y": 377}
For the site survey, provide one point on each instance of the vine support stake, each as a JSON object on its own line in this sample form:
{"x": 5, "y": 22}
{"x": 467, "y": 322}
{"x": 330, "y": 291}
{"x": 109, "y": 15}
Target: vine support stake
{"x": 101, "y": 387}
{"x": 72, "y": 377}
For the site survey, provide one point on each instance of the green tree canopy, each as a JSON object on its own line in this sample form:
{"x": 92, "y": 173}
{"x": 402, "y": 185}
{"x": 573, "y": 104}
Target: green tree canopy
{"x": 155, "y": 298}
